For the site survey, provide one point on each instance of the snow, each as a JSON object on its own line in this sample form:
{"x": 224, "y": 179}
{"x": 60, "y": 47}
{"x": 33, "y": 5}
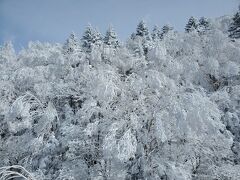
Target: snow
{"x": 165, "y": 108}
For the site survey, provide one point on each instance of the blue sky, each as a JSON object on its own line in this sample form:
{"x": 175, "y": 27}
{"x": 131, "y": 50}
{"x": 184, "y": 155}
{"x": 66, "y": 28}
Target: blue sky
{"x": 53, "y": 20}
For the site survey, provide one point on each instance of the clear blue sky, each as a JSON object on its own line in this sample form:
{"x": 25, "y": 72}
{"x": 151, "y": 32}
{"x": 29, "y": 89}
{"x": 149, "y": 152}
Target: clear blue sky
{"x": 53, "y": 20}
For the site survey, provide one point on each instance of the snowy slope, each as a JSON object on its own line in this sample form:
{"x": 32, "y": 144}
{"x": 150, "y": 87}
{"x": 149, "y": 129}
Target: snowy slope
{"x": 144, "y": 109}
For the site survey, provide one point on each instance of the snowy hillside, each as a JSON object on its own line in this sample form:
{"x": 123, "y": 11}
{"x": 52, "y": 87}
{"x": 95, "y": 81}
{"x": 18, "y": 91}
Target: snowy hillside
{"x": 164, "y": 105}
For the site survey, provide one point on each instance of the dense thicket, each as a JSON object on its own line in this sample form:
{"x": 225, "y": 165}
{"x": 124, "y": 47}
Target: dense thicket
{"x": 163, "y": 105}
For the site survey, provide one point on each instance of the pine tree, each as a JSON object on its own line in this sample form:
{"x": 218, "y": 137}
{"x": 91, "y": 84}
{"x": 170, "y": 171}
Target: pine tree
{"x": 234, "y": 29}
{"x": 91, "y": 37}
{"x": 191, "y": 25}
{"x": 165, "y": 30}
{"x": 156, "y": 33}
{"x": 97, "y": 37}
{"x": 203, "y": 25}
{"x": 142, "y": 30}
{"x": 204, "y": 22}
{"x": 110, "y": 38}
{"x": 88, "y": 38}
{"x": 143, "y": 36}
{"x": 133, "y": 36}
{"x": 71, "y": 45}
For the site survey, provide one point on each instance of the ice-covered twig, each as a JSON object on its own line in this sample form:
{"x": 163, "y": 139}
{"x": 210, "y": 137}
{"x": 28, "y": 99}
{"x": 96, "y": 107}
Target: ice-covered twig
{"x": 15, "y": 171}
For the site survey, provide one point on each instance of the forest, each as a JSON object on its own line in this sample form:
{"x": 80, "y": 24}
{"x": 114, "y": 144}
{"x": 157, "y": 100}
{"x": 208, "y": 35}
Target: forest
{"x": 161, "y": 105}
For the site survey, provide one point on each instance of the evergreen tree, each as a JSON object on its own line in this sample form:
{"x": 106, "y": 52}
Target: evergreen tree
{"x": 156, "y": 33}
{"x": 90, "y": 37}
{"x": 191, "y": 25}
{"x": 143, "y": 36}
{"x": 97, "y": 37}
{"x": 133, "y": 36}
{"x": 142, "y": 30}
{"x": 204, "y": 22}
{"x": 234, "y": 29}
{"x": 71, "y": 45}
{"x": 203, "y": 25}
{"x": 166, "y": 29}
{"x": 110, "y": 38}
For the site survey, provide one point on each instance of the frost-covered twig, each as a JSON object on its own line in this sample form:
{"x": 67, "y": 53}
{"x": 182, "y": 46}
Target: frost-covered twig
{"x": 15, "y": 171}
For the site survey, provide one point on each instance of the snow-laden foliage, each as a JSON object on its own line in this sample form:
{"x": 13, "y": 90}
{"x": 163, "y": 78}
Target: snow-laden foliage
{"x": 165, "y": 106}
{"x": 234, "y": 29}
{"x": 15, "y": 172}
{"x": 192, "y": 25}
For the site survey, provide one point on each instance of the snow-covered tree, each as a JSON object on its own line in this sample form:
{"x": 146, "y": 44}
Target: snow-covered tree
{"x": 203, "y": 25}
{"x": 165, "y": 30}
{"x": 142, "y": 37}
{"x": 111, "y": 38}
{"x": 191, "y": 25}
{"x": 88, "y": 37}
{"x": 98, "y": 37}
{"x": 136, "y": 46}
{"x": 234, "y": 29}
{"x": 156, "y": 33}
{"x": 133, "y": 36}
{"x": 91, "y": 37}
{"x": 142, "y": 30}
{"x": 71, "y": 45}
